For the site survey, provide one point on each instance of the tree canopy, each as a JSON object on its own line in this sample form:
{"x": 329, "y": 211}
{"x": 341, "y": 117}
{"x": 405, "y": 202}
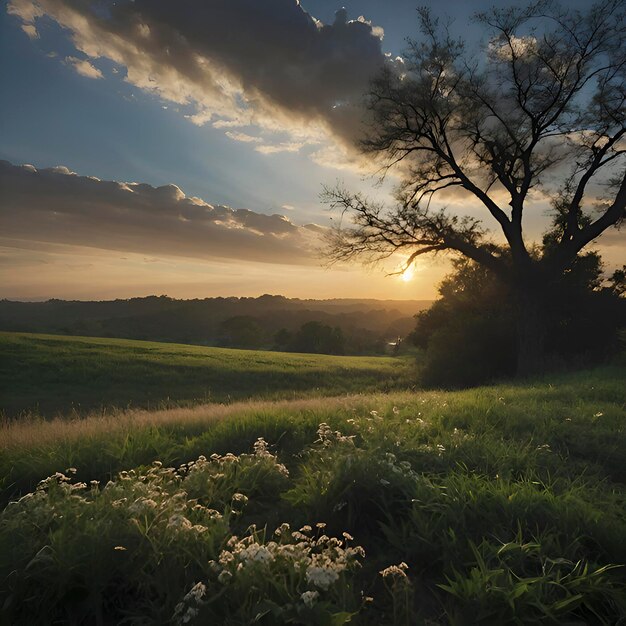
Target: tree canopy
{"x": 539, "y": 116}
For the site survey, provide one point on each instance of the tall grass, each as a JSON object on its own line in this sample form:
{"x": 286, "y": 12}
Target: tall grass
{"x": 498, "y": 505}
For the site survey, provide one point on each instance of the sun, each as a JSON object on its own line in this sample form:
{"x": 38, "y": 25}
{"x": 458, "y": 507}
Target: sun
{"x": 407, "y": 275}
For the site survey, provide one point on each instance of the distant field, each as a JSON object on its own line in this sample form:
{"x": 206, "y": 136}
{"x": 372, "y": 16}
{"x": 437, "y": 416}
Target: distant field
{"x": 51, "y": 374}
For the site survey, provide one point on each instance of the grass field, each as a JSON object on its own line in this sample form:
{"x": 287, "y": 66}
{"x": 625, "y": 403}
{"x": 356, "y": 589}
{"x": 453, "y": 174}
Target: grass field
{"x": 50, "y": 374}
{"x": 496, "y": 505}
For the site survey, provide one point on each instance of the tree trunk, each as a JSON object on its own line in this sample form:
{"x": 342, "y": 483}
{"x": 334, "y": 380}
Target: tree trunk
{"x": 531, "y": 332}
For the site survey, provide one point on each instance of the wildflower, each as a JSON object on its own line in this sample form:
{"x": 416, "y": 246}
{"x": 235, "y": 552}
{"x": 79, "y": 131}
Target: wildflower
{"x": 179, "y": 521}
{"x": 309, "y": 598}
{"x": 257, "y": 553}
{"x": 120, "y": 548}
{"x": 190, "y": 614}
{"x": 240, "y": 497}
{"x": 347, "y": 536}
{"x": 599, "y": 414}
{"x": 395, "y": 570}
{"x": 142, "y": 504}
{"x": 395, "y": 410}
{"x": 321, "y": 577}
{"x": 197, "y": 592}
{"x": 226, "y": 557}
{"x": 260, "y": 447}
{"x": 224, "y": 577}
{"x": 283, "y": 528}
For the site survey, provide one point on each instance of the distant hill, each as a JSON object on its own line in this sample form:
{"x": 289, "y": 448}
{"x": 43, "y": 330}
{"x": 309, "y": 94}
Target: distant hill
{"x": 367, "y": 325}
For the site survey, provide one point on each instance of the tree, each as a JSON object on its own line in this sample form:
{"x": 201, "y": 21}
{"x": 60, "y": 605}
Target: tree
{"x": 468, "y": 334}
{"x": 540, "y": 114}
{"x": 319, "y": 338}
{"x": 241, "y": 331}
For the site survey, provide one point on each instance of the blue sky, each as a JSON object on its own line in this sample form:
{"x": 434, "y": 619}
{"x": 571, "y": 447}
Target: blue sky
{"x": 110, "y": 129}
{"x": 66, "y": 99}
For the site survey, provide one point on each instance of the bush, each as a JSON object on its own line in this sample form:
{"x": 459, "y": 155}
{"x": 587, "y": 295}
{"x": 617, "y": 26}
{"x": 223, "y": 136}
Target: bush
{"x": 469, "y": 334}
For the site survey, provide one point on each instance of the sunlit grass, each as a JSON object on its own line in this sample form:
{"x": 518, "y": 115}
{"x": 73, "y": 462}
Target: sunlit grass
{"x": 50, "y": 375}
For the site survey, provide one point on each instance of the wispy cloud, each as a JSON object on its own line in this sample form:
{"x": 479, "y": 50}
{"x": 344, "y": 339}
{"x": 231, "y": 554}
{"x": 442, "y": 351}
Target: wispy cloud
{"x": 83, "y": 67}
{"x": 30, "y": 30}
{"x": 292, "y": 146}
{"x": 243, "y": 137}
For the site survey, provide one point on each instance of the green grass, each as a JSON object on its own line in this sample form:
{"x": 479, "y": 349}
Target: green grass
{"x": 506, "y": 503}
{"x": 49, "y": 375}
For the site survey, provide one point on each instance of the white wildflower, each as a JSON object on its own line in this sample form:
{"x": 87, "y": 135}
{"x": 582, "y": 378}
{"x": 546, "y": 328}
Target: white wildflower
{"x": 261, "y": 447}
{"x": 257, "y": 553}
{"x": 321, "y": 577}
{"x": 309, "y": 598}
{"x": 197, "y": 592}
{"x": 224, "y": 577}
{"x": 179, "y": 521}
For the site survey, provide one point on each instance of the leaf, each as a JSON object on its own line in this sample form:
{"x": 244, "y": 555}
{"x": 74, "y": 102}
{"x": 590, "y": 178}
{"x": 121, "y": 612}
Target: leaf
{"x": 337, "y": 619}
{"x": 564, "y": 604}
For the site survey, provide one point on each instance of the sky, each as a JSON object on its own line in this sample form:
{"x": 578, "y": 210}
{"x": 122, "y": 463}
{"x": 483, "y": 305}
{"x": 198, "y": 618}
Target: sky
{"x": 180, "y": 147}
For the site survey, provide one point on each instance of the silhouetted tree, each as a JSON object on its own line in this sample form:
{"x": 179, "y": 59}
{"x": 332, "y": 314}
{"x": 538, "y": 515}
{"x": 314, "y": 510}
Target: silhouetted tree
{"x": 540, "y": 114}
{"x": 283, "y": 339}
{"x": 319, "y": 338}
{"x": 241, "y": 331}
{"x": 468, "y": 335}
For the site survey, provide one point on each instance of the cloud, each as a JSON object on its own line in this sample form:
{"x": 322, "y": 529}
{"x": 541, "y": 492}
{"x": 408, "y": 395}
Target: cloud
{"x": 31, "y": 31}
{"x": 84, "y": 67}
{"x": 291, "y": 146}
{"x": 245, "y": 138}
{"x": 236, "y": 62}
{"x": 57, "y": 206}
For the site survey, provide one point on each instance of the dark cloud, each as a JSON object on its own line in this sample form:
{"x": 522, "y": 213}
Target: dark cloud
{"x": 240, "y": 62}
{"x": 57, "y": 206}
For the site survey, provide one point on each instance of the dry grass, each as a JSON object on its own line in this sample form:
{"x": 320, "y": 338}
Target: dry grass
{"x": 35, "y": 432}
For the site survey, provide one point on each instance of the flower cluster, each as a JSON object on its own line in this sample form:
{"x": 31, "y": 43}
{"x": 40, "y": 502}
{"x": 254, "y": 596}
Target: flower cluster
{"x": 254, "y": 568}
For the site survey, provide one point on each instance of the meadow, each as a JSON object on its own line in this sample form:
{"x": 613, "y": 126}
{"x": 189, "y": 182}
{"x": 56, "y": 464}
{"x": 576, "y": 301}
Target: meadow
{"x": 52, "y": 375}
{"x": 496, "y": 505}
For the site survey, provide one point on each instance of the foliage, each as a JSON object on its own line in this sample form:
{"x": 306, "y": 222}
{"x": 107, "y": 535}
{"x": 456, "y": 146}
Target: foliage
{"x": 539, "y": 109}
{"x": 494, "y": 505}
{"x": 469, "y": 334}
{"x": 318, "y": 339}
{"x": 249, "y": 323}
{"x": 241, "y": 331}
